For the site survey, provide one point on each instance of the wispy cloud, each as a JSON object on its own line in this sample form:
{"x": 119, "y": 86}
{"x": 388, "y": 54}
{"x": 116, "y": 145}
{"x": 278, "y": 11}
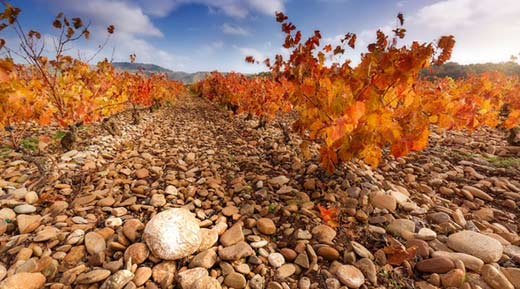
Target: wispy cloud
{"x": 210, "y": 48}
{"x": 233, "y": 8}
{"x": 134, "y": 29}
{"x": 234, "y": 30}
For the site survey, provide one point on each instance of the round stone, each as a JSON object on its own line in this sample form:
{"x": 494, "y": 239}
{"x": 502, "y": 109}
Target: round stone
{"x": 173, "y": 234}
{"x": 25, "y": 209}
{"x": 328, "y": 253}
{"x": 93, "y": 276}
{"x": 276, "y": 259}
{"x": 95, "y": 243}
{"x": 435, "y": 265}
{"x": 235, "y": 280}
{"x": 24, "y": 281}
{"x": 138, "y": 252}
{"x": 266, "y": 226}
{"x": 350, "y": 276}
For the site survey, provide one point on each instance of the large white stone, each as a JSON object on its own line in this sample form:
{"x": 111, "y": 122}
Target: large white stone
{"x": 173, "y": 234}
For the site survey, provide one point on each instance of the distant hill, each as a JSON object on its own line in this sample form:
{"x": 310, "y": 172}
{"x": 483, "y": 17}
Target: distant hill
{"x": 455, "y": 70}
{"x": 185, "y": 77}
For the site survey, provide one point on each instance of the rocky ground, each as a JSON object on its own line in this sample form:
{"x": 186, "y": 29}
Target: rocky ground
{"x": 443, "y": 218}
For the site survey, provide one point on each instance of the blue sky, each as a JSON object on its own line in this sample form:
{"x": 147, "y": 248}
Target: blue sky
{"x": 196, "y": 35}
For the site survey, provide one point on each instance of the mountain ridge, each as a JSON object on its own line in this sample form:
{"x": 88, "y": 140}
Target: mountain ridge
{"x": 185, "y": 77}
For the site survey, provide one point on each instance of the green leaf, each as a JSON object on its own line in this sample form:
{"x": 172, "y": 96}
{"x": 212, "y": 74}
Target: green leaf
{"x": 30, "y": 143}
{"x": 59, "y": 135}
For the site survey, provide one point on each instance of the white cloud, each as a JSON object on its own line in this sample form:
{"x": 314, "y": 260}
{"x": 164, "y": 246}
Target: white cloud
{"x": 210, "y": 48}
{"x": 133, "y": 32}
{"x": 125, "y": 16}
{"x": 401, "y": 3}
{"x": 484, "y": 30}
{"x": 234, "y": 30}
{"x": 233, "y": 8}
{"x": 268, "y": 7}
{"x": 248, "y": 51}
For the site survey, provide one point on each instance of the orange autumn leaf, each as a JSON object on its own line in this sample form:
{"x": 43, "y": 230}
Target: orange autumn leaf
{"x": 396, "y": 253}
{"x": 329, "y": 216}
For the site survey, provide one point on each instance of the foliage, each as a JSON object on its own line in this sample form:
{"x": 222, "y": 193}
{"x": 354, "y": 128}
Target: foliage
{"x": 456, "y": 71}
{"x": 357, "y": 111}
{"x": 259, "y": 96}
{"x": 65, "y": 90}
{"x": 396, "y": 253}
{"x": 329, "y": 216}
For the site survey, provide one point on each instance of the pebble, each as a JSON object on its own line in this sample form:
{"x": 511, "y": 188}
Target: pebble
{"x": 426, "y": 234}
{"x": 132, "y": 228}
{"x": 235, "y": 280}
{"x": 286, "y": 270}
{"x": 187, "y": 278}
{"x": 303, "y": 234}
{"x": 470, "y": 262}
{"x": 401, "y": 227}
{"x": 495, "y": 278}
{"x": 350, "y": 276}
{"x": 28, "y": 223}
{"x": 289, "y": 254}
{"x": 48, "y": 233}
{"x": 171, "y": 190}
{"x": 208, "y": 239}
{"x": 259, "y": 244}
{"x": 142, "y": 274}
{"x": 332, "y": 283}
{"x": 94, "y": 243}
{"x": 3, "y": 272}
{"x": 230, "y": 211}
{"x": 328, "y": 253}
{"x": 164, "y": 273}
{"x": 205, "y": 259}
{"x": 266, "y": 226}
{"x": 439, "y": 217}
{"x": 23, "y": 280}
{"x": 324, "y": 233}
{"x": 368, "y": 268}
{"x": 435, "y": 265}
{"x": 31, "y": 197}
{"x": 25, "y": 209}
{"x": 453, "y": 278}
{"x": 118, "y": 280}
{"x": 276, "y": 259}
{"x": 93, "y": 276}
{"x": 304, "y": 283}
{"x": 279, "y": 181}
{"x": 142, "y": 173}
{"x": 157, "y": 200}
{"x": 512, "y": 274}
{"x": 235, "y": 252}
{"x": 7, "y": 214}
{"x": 383, "y": 201}
{"x": 257, "y": 282}
{"x": 478, "y": 193}
{"x": 243, "y": 268}
{"x": 137, "y": 252}
{"x": 113, "y": 222}
{"x": 361, "y": 250}
{"x": 421, "y": 246}
{"x": 232, "y": 235}
{"x": 479, "y": 245}
{"x": 206, "y": 282}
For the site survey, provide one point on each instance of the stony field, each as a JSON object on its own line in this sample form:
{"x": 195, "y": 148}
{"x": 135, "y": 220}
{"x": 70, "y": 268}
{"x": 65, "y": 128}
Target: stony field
{"x": 241, "y": 209}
